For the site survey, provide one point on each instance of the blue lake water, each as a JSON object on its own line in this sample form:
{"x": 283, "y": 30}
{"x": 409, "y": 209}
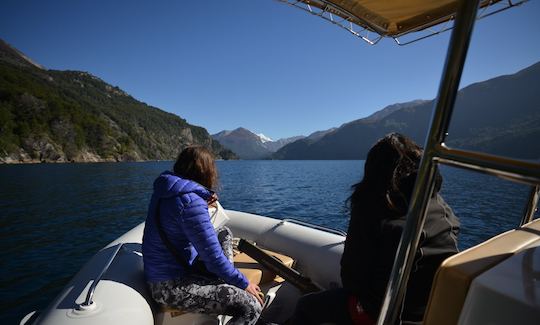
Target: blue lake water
{"x": 55, "y": 217}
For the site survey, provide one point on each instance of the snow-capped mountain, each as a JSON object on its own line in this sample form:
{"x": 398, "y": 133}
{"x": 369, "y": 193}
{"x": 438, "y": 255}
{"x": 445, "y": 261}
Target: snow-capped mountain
{"x": 264, "y": 138}
{"x": 249, "y": 145}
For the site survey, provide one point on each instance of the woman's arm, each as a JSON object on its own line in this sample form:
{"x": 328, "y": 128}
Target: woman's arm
{"x": 356, "y": 259}
{"x": 367, "y": 260}
{"x": 200, "y": 232}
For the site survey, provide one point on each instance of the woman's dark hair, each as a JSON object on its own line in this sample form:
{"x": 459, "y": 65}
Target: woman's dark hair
{"x": 389, "y": 176}
{"x": 197, "y": 164}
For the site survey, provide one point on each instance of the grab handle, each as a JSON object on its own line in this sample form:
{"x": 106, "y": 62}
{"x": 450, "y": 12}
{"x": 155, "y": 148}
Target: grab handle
{"x": 88, "y": 301}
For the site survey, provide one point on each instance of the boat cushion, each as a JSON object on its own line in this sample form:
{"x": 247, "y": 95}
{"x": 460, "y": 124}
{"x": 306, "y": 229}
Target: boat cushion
{"x": 252, "y": 274}
{"x": 175, "y": 312}
{"x": 168, "y": 315}
{"x": 248, "y": 265}
{"x": 454, "y": 276}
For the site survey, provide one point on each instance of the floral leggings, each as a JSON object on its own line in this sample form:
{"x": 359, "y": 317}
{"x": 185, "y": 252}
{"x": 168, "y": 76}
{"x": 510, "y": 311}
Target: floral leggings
{"x": 202, "y": 294}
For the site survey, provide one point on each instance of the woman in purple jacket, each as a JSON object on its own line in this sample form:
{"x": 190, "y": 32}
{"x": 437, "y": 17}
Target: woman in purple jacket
{"x": 188, "y": 264}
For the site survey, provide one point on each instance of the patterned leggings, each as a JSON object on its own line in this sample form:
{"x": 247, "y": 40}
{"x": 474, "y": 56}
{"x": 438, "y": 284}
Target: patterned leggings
{"x": 201, "y": 294}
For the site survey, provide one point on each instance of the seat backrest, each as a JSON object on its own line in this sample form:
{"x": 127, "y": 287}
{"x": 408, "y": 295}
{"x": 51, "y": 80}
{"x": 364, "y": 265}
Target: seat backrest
{"x": 454, "y": 276}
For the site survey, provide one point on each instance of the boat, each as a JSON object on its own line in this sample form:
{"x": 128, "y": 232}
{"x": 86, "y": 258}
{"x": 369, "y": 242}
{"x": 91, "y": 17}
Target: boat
{"x": 110, "y": 288}
{"x": 495, "y": 282}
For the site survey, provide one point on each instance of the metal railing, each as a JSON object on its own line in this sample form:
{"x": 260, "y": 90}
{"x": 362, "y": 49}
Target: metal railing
{"x": 436, "y": 152}
{"x": 512, "y": 169}
{"x": 88, "y": 301}
{"x": 370, "y": 33}
{"x": 532, "y": 205}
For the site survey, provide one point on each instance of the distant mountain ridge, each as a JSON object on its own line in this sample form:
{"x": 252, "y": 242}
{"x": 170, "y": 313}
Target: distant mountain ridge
{"x": 379, "y": 115}
{"x": 320, "y": 144}
{"x": 498, "y": 116}
{"x": 60, "y": 116}
{"x": 249, "y": 145}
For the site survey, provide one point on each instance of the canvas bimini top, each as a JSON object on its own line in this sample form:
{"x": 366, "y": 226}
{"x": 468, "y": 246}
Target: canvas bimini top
{"x": 371, "y": 20}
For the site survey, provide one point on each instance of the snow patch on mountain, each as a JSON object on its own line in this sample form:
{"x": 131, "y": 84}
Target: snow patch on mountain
{"x": 264, "y": 138}
{"x": 249, "y": 145}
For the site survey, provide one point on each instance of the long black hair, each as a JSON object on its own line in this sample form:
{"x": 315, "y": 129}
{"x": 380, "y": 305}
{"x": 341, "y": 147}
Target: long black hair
{"x": 389, "y": 175}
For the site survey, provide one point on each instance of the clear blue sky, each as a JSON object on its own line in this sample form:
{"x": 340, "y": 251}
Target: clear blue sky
{"x": 254, "y": 63}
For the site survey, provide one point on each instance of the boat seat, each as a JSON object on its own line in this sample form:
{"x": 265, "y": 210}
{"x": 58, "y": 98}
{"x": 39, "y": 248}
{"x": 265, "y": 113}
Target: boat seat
{"x": 253, "y": 275}
{"x": 170, "y": 315}
{"x": 454, "y": 276}
{"x": 255, "y": 272}
{"x": 175, "y": 312}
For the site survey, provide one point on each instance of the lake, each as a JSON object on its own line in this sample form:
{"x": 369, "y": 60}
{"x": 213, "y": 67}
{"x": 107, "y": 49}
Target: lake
{"x": 54, "y": 217}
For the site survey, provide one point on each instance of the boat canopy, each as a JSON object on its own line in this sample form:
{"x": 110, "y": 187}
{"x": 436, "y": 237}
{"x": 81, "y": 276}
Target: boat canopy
{"x": 393, "y": 18}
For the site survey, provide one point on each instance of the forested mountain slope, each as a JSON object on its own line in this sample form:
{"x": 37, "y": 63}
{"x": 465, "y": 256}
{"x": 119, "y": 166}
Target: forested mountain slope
{"x": 58, "y": 116}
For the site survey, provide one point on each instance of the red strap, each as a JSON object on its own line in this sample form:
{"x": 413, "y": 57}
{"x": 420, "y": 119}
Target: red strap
{"x": 357, "y": 313}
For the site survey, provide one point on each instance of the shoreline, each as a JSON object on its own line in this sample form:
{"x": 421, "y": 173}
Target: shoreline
{"x": 101, "y": 161}
{"x": 39, "y": 162}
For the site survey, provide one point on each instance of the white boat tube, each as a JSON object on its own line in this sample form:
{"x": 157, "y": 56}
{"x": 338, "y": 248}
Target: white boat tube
{"x": 121, "y": 295}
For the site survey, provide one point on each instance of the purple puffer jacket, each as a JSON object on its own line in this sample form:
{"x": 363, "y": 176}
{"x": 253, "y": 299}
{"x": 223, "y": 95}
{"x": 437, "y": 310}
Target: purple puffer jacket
{"x": 185, "y": 220}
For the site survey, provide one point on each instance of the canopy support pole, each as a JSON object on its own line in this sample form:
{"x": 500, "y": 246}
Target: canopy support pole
{"x": 423, "y": 189}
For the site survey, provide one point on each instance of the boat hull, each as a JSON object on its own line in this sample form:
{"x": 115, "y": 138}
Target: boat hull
{"x": 121, "y": 296}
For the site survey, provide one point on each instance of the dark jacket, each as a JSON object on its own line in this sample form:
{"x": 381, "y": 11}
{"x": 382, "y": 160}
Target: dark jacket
{"x": 370, "y": 250}
{"x": 186, "y": 223}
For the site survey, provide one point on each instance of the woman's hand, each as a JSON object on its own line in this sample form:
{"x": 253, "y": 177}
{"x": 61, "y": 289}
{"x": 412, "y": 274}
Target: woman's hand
{"x": 254, "y": 289}
{"x": 212, "y": 200}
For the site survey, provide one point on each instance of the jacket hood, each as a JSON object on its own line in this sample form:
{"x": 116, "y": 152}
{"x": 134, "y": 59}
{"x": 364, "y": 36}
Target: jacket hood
{"x": 168, "y": 185}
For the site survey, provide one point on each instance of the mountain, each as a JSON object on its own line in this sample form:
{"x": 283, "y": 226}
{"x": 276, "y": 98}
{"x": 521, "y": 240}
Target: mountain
{"x": 379, "y": 115}
{"x": 498, "y": 116}
{"x": 336, "y": 143}
{"x": 317, "y": 135}
{"x": 274, "y": 146}
{"x": 248, "y": 145}
{"x": 60, "y": 116}
{"x": 13, "y": 56}
{"x": 264, "y": 138}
